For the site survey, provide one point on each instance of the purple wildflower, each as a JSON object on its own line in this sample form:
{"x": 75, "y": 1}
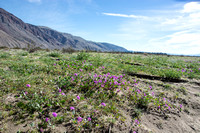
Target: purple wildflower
{"x": 28, "y": 85}
{"x": 72, "y": 108}
{"x": 79, "y": 119}
{"x": 54, "y": 64}
{"x": 181, "y": 105}
{"x": 47, "y": 119}
{"x": 150, "y": 87}
{"x": 59, "y": 90}
{"x": 63, "y": 94}
{"x": 89, "y": 119}
{"x": 95, "y": 75}
{"x": 26, "y": 93}
{"x": 54, "y": 114}
{"x": 81, "y": 70}
{"x": 75, "y": 74}
{"x": 41, "y": 130}
{"x": 115, "y": 82}
{"x": 78, "y": 97}
{"x": 136, "y": 121}
{"x": 152, "y": 93}
{"x": 103, "y": 104}
{"x": 138, "y": 90}
{"x": 164, "y": 99}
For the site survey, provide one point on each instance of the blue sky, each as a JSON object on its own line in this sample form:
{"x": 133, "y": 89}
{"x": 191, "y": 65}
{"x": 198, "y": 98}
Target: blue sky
{"x": 169, "y": 26}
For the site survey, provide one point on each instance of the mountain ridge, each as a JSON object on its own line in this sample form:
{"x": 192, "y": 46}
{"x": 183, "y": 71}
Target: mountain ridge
{"x": 16, "y": 33}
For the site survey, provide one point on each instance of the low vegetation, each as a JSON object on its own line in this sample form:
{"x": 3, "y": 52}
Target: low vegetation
{"x": 87, "y": 92}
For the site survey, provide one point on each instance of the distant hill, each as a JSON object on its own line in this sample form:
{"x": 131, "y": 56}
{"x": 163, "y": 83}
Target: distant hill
{"x": 15, "y": 33}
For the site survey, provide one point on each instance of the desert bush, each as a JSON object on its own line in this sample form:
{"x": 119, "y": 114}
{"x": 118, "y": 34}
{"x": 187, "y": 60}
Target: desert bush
{"x": 54, "y": 54}
{"x": 4, "y": 55}
{"x": 68, "y": 50}
{"x": 33, "y": 49}
{"x": 170, "y": 74}
{"x": 82, "y": 56}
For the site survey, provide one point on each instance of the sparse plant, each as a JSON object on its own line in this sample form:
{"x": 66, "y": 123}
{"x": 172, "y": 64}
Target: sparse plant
{"x": 183, "y": 90}
{"x": 197, "y": 94}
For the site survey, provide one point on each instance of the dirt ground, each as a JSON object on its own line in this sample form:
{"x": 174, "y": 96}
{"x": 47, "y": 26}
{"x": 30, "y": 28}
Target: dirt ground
{"x": 186, "y": 121}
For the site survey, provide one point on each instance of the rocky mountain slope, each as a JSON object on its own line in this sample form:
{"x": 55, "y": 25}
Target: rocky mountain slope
{"x": 15, "y": 33}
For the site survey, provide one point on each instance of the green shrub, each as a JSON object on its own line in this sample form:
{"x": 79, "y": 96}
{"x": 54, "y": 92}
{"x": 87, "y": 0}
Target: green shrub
{"x": 54, "y": 54}
{"x": 4, "y": 55}
{"x": 170, "y": 74}
{"x": 82, "y": 56}
{"x": 68, "y": 50}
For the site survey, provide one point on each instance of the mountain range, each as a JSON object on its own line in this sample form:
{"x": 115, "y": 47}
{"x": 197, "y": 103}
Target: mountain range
{"x": 14, "y": 33}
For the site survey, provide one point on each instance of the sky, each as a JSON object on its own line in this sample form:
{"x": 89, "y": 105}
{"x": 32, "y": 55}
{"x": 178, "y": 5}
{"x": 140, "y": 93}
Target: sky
{"x": 168, "y": 26}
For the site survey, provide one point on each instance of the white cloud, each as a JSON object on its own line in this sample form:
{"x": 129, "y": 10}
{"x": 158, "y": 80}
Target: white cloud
{"x": 184, "y": 38}
{"x": 191, "y": 7}
{"x": 34, "y": 1}
{"x": 185, "y": 42}
{"x": 124, "y": 15}
{"x": 177, "y": 32}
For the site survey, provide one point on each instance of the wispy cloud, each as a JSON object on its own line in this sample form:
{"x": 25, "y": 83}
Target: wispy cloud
{"x": 124, "y": 15}
{"x": 34, "y": 1}
{"x": 166, "y": 32}
{"x": 185, "y": 30}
